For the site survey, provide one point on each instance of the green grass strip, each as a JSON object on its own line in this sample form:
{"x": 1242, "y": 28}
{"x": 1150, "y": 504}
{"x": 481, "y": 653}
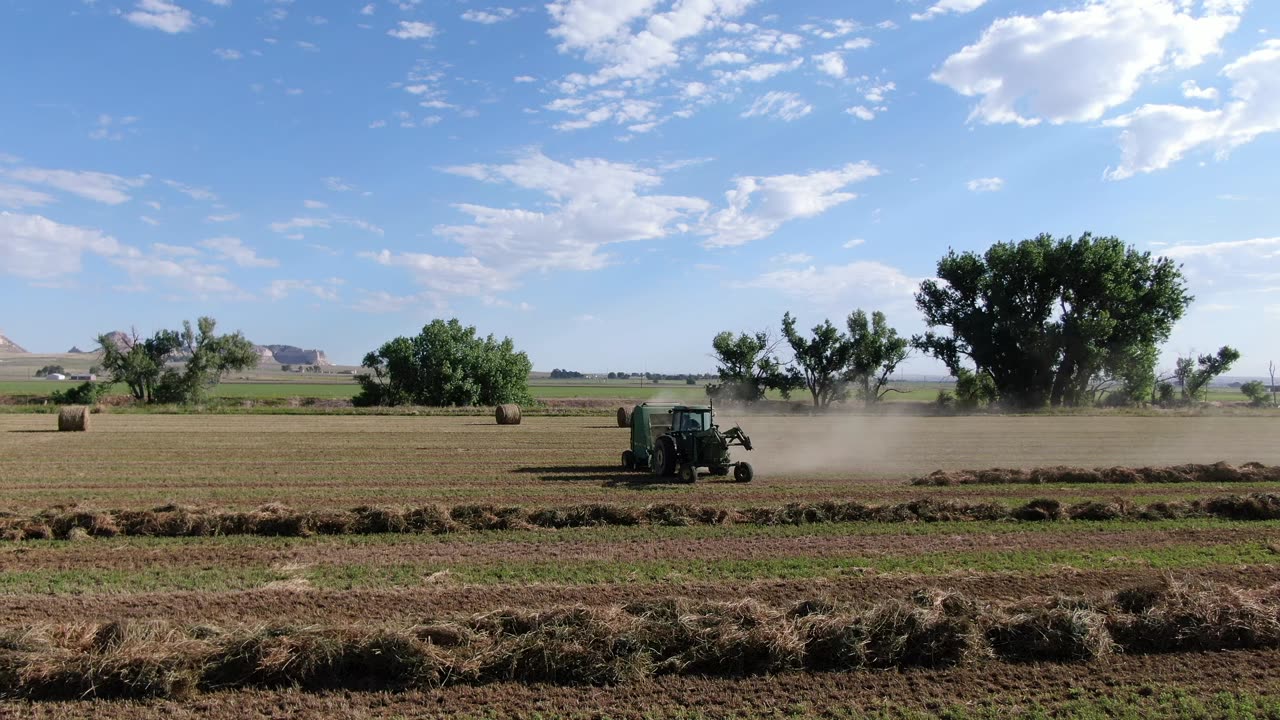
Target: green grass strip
{"x": 587, "y": 572}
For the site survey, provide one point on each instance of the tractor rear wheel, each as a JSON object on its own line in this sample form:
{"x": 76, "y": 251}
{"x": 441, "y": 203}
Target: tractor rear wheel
{"x": 689, "y": 474}
{"x": 663, "y": 459}
{"x": 628, "y": 460}
{"x": 742, "y": 472}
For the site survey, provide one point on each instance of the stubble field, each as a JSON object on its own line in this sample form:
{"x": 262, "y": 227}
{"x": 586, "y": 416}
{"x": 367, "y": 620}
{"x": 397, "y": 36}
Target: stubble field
{"x": 789, "y": 536}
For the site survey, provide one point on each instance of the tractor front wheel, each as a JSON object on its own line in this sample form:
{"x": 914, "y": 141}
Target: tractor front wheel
{"x": 689, "y": 474}
{"x": 628, "y": 460}
{"x": 743, "y": 473}
{"x": 663, "y": 459}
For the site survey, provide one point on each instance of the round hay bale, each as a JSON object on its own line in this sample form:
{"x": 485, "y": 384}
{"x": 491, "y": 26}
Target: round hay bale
{"x": 75, "y": 419}
{"x": 624, "y": 417}
{"x": 507, "y": 414}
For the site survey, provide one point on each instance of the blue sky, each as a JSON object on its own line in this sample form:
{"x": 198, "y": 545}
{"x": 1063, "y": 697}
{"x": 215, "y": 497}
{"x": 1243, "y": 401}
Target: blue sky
{"x": 612, "y": 182}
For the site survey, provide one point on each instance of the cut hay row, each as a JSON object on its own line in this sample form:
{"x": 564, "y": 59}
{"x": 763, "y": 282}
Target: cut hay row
{"x": 74, "y": 523}
{"x": 619, "y": 644}
{"x": 1220, "y": 472}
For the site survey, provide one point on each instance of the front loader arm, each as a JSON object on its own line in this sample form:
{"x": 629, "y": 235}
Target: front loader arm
{"x": 736, "y": 436}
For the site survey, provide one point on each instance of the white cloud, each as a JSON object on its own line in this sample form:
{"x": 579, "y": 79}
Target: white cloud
{"x": 368, "y": 9}
{"x": 991, "y": 184}
{"x": 149, "y": 220}
{"x": 861, "y": 112}
{"x": 161, "y": 15}
{"x": 314, "y": 205}
{"x": 786, "y": 106}
{"x": 447, "y": 275}
{"x": 16, "y": 197}
{"x": 602, "y": 30}
{"x": 227, "y": 54}
{"x": 1263, "y": 248}
{"x": 860, "y": 43}
{"x": 413, "y": 30}
{"x": 1156, "y": 136}
{"x": 324, "y": 223}
{"x": 97, "y": 186}
{"x": 281, "y": 289}
{"x": 109, "y": 128}
{"x": 593, "y": 203}
{"x": 490, "y": 16}
{"x": 583, "y": 24}
{"x": 790, "y": 259}
{"x": 758, "y": 206}
{"x": 831, "y": 63}
{"x": 851, "y": 244}
{"x": 1072, "y": 66}
{"x": 186, "y": 275}
{"x": 337, "y": 184}
{"x": 222, "y": 218}
{"x": 838, "y": 27}
{"x": 33, "y": 246}
{"x": 193, "y": 192}
{"x": 524, "y": 79}
{"x": 758, "y": 72}
{"x": 300, "y": 223}
{"x": 174, "y": 250}
{"x": 874, "y": 91}
{"x": 237, "y": 252}
{"x": 861, "y": 281}
{"x": 381, "y": 301}
{"x": 725, "y": 57}
{"x": 1192, "y": 91}
{"x": 944, "y": 7}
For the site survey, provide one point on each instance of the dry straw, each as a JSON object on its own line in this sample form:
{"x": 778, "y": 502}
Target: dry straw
{"x": 507, "y": 414}
{"x": 73, "y": 419}
{"x": 609, "y": 645}
{"x": 279, "y": 520}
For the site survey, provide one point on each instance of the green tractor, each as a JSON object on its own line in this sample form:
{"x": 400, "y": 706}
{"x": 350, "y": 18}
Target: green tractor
{"x": 673, "y": 439}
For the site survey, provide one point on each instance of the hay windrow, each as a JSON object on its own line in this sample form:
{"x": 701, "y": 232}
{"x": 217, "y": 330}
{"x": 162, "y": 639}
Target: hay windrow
{"x": 278, "y": 520}
{"x": 1219, "y": 472}
{"x": 619, "y": 644}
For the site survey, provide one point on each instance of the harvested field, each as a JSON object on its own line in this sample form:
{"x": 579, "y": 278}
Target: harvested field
{"x": 611, "y": 645}
{"x": 369, "y": 527}
{"x": 141, "y": 461}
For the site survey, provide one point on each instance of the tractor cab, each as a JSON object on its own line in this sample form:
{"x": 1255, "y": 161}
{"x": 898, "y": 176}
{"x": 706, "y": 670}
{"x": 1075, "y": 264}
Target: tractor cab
{"x": 691, "y": 419}
{"x": 674, "y": 439}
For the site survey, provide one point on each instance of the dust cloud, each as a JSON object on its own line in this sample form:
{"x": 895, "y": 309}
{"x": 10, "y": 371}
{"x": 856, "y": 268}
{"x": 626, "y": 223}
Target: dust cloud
{"x": 894, "y": 447}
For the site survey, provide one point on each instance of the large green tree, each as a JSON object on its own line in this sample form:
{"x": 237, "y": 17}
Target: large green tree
{"x": 1045, "y": 316}
{"x": 820, "y": 361}
{"x": 446, "y": 364}
{"x": 876, "y": 352}
{"x": 747, "y": 366}
{"x": 142, "y": 364}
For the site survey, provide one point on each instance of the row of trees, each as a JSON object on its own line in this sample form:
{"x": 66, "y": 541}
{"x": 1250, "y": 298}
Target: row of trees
{"x": 1045, "y": 321}
{"x": 830, "y": 363}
